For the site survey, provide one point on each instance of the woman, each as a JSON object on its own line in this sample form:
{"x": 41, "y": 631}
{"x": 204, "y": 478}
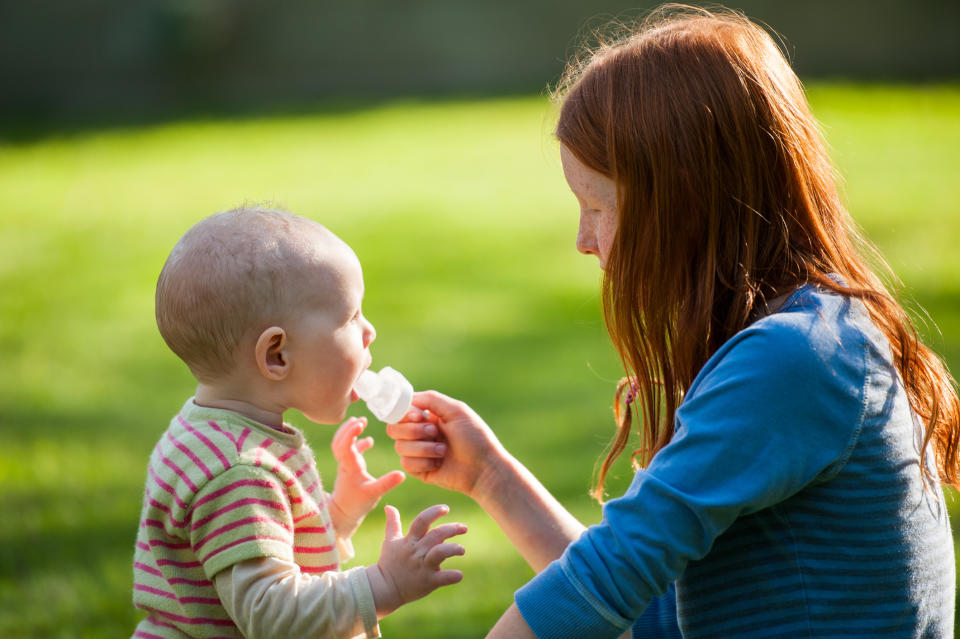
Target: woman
{"x": 794, "y": 430}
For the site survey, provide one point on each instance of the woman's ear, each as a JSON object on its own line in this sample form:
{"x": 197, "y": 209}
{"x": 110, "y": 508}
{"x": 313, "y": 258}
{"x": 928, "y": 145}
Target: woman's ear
{"x": 271, "y": 354}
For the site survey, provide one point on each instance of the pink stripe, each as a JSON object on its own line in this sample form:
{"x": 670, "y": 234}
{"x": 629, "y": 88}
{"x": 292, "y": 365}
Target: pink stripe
{"x": 238, "y": 504}
{"x": 206, "y": 442}
{"x": 238, "y": 524}
{"x": 168, "y": 625}
{"x": 225, "y": 433}
{"x": 313, "y": 486}
{"x": 243, "y": 541}
{"x": 312, "y": 513}
{"x": 194, "y": 620}
{"x": 263, "y": 446}
{"x": 169, "y": 544}
{"x": 189, "y": 453}
{"x": 179, "y": 471}
{"x": 318, "y": 569}
{"x": 154, "y": 591}
{"x": 166, "y": 487}
{"x": 175, "y": 580}
{"x": 143, "y": 546}
{"x": 161, "y": 624}
{"x": 211, "y": 601}
{"x": 303, "y": 469}
{"x": 262, "y": 483}
{"x": 147, "y": 569}
{"x": 146, "y": 635}
{"x": 287, "y": 455}
{"x": 312, "y": 529}
{"x": 190, "y": 582}
{"x": 178, "y": 564}
{"x": 312, "y": 550}
{"x": 243, "y": 438}
{"x": 164, "y": 508}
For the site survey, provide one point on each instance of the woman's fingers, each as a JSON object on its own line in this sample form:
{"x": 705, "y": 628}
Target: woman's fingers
{"x": 446, "y": 408}
{"x": 428, "y": 449}
{"x": 417, "y": 466}
{"x": 412, "y": 430}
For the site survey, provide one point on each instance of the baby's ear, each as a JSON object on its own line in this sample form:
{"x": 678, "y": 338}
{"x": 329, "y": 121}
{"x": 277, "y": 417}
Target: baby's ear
{"x": 272, "y": 354}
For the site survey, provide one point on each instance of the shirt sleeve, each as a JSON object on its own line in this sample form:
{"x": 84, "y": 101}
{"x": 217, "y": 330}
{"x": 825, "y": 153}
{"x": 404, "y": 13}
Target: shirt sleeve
{"x": 270, "y": 598}
{"x": 775, "y": 411}
{"x": 242, "y": 513}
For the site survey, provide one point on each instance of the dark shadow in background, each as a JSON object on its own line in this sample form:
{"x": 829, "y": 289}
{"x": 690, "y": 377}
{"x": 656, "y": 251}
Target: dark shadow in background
{"x": 74, "y": 64}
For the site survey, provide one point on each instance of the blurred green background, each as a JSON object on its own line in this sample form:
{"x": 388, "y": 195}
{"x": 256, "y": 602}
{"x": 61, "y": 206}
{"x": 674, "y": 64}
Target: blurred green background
{"x": 448, "y": 186}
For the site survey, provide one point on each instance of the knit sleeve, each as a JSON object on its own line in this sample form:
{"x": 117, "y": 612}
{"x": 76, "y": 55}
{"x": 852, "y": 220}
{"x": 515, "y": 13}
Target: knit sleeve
{"x": 242, "y": 513}
{"x": 778, "y": 410}
{"x": 270, "y": 598}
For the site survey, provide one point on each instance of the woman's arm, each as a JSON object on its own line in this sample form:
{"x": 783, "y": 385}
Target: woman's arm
{"x": 511, "y": 626}
{"x": 452, "y": 447}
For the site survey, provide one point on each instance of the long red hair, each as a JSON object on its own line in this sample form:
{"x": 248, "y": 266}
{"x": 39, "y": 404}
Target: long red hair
{"x": 727, "y": 199}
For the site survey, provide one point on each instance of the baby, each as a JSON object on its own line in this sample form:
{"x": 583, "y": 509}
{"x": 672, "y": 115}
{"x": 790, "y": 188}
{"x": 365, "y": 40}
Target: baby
{"x": 237, "y": 537}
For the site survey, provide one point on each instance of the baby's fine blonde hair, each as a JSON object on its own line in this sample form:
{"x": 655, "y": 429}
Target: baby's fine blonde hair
{"x": 228, "y": 278}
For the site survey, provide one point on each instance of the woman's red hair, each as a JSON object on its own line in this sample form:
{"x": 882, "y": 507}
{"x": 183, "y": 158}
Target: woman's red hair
{"x": 727, "y": 199}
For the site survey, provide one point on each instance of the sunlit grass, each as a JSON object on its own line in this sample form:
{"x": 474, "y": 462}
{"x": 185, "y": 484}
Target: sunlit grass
{"x": 465, "y": 228}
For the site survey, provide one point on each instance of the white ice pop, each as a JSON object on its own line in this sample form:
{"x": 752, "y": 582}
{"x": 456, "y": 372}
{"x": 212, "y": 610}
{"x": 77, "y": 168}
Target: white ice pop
{"x": 387, "y": 394}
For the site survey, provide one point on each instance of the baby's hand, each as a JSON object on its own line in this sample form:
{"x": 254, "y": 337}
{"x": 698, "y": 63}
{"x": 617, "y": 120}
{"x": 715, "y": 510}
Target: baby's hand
{"x": 409, "y": 567}
{"x": 356, "y": 491}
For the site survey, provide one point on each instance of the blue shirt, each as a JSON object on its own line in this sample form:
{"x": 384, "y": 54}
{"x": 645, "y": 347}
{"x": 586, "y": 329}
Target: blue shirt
{"x": 789, "y": 502}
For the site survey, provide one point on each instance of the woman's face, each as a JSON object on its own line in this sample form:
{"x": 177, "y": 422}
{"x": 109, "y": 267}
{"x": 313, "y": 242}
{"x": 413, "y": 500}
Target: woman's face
{"x": 597, "y": 195}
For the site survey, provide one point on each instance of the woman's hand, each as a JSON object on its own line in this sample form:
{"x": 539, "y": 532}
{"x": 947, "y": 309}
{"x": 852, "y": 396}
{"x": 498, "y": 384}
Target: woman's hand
{"x": 444, "y": 442}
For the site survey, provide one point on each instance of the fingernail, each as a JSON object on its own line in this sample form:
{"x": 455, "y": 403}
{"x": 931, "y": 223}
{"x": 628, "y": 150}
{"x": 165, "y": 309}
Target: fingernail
{"x": 430, "y": 430}
{"x": 440, "y": 449}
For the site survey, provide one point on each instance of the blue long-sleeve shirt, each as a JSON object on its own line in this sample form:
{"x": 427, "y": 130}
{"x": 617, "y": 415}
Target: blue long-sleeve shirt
{"x": 789, "y": 502}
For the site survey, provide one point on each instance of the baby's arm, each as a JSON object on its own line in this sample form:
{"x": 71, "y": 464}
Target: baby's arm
{"x": 270, "y": 597}
{"x": 355, "y": 491}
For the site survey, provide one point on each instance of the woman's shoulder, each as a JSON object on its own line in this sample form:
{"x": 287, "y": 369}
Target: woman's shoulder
{"x": 811, "y": 330}
{"x": 817, "y": 342}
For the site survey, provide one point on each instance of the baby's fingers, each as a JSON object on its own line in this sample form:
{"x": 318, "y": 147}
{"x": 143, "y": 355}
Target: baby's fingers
{"x": 393, "y": 526}
{"x": 441, "y": 552}
{"x": 446, "y": 578}
{"x": 345, "y": 435}
{"x": 425, "y": 519}
{"x": 442, "y": 532}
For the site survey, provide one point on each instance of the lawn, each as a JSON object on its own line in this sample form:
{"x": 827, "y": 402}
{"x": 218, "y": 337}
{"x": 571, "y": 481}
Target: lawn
{"x": 460, "y": 216}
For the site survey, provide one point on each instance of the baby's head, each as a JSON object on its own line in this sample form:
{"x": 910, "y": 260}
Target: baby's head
{"x": 268, "y": 302}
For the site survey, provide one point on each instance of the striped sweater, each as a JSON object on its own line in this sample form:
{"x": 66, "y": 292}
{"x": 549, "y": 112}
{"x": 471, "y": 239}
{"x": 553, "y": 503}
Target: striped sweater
{"x": 222, "y": 489}
{"x": 789, "y": 503}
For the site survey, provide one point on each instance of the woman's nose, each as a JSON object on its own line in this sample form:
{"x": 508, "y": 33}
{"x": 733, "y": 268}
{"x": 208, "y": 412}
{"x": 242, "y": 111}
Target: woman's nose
{"x": 586, "y": 238}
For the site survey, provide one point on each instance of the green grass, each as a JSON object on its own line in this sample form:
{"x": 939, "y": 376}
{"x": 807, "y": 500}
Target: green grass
{"x": 460, "y": 215}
